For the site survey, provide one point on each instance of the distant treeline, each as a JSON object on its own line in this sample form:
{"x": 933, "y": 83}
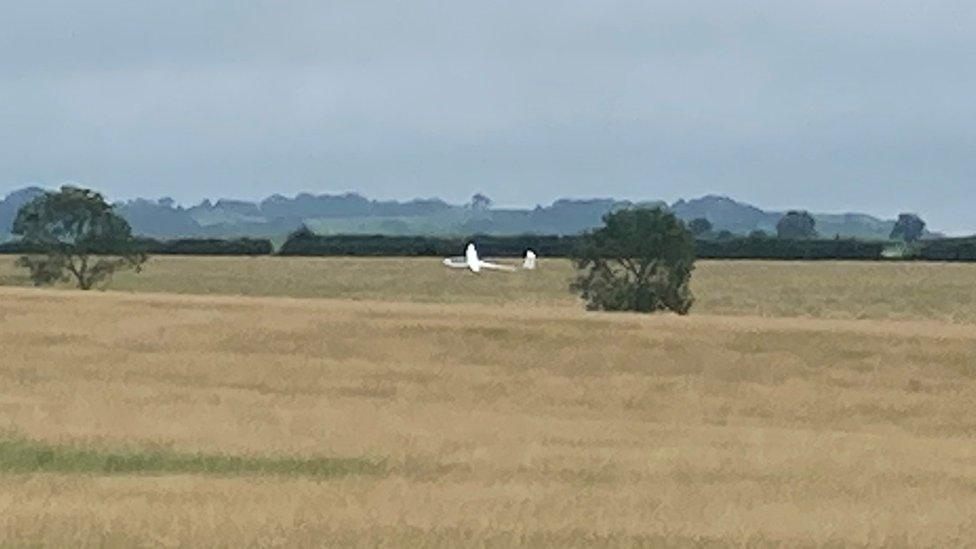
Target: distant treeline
{"x": 777, "y": 248}
{"x": 949, "y": 249}
{"x": 186, "y": 246}
{"x": 209, "y": 246}
{"x": 306, "y": 243}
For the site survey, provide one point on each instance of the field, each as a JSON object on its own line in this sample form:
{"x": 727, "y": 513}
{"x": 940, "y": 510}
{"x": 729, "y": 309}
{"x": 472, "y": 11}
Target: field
{"x": 199, "y": 403}
{"x": 826, "y": 289}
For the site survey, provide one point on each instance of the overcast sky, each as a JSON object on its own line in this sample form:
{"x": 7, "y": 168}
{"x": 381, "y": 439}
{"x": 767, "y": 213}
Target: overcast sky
{"x": 830, "y": 106}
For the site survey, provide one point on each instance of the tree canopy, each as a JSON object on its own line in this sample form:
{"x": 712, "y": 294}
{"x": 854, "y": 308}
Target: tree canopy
{"x": 700, "y": 226}
{"x": 797, "y": 225}
{"x": 480, "y": 202}
{"x": 640, "y": 260}
{"x": 75, "y": 233}
{"x": 909, "y": 228}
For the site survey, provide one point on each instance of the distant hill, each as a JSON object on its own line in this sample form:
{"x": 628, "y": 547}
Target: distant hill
{"x": 727, "y": 214}
{"x": 11, "y": 204}
{"x": 277, "y": 215}
{"x": 739, "y": 218}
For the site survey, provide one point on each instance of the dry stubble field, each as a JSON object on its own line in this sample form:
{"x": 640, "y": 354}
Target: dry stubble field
{"x": 800, "y": 404}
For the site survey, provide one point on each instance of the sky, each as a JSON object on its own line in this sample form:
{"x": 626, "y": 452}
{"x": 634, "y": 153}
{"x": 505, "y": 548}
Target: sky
{"x": 827, "y": 106}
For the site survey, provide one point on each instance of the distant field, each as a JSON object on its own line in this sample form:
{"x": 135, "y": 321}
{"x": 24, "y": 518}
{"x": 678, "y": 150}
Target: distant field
{"x": 133, "y": 420}
{"x": 945, "y": 292}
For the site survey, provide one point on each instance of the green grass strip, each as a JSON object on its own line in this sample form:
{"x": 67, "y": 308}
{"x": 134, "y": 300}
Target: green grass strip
{"x": 21, "y": 455}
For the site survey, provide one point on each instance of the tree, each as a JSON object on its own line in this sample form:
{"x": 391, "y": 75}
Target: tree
{"x": 640, "y": 260}
{"x": 75, "y": 233}
{"x": 758, "y": 234}
{"x": 700, "y": 226}
{"x": 480, "y": 202}
{"x": 909, "y": 228}
{"x": 797, "y": 225}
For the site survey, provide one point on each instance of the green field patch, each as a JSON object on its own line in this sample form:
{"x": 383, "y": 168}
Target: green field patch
{"x": 22, "y": 455}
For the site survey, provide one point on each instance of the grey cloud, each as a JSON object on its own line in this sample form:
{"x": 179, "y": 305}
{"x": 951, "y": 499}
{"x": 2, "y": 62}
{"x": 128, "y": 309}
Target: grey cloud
{"x": 828, "y": 105}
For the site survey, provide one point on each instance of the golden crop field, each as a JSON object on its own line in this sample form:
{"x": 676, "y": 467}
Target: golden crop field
{"x": 408, "y": 405}
{"x": 823, "y": 289}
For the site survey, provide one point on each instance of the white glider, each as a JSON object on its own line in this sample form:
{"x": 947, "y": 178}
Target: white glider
{"x": 474, "y": 263}
{"x": 529, "y": 262}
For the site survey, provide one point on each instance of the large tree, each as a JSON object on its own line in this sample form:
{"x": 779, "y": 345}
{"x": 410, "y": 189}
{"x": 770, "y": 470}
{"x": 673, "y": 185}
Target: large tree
{"x": 75, "y": 233}
{"x": 909, "y": 228}
{"x": 640, "y": 260}
{"x": 797, "y": 224}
